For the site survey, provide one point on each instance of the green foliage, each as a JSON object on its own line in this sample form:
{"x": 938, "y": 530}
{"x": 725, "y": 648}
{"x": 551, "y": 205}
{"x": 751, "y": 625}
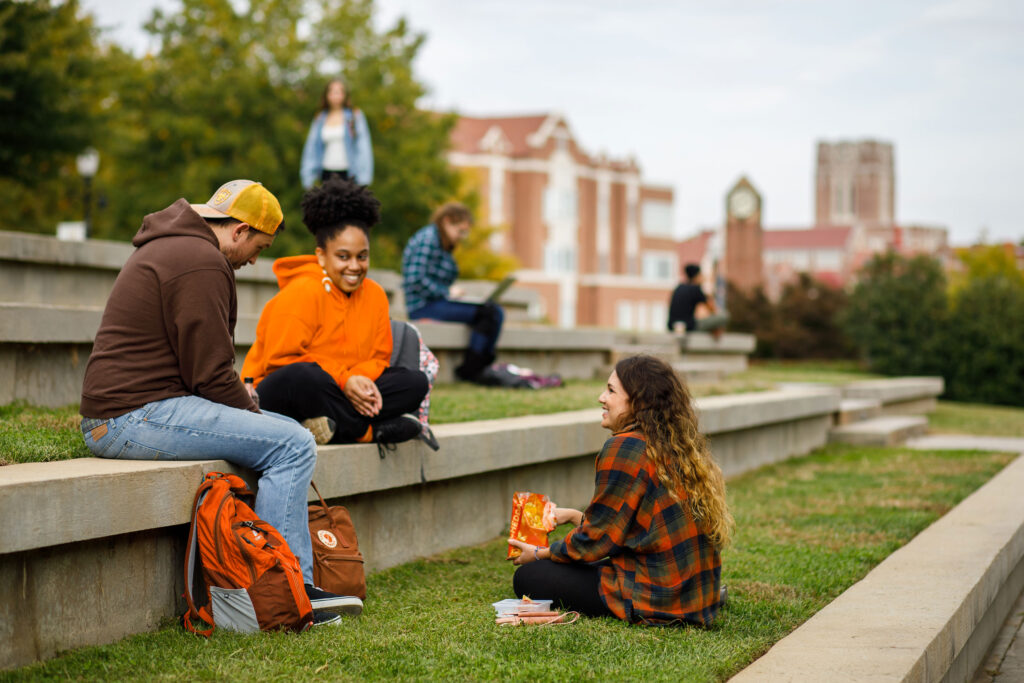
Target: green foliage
{"x": 982, "y": 261}
{"x": 229, "y": 93}
{"x": 47, "y": 104}
{"x": 985, "y": 341}
{"x": 905, "y": 323}
{"x": 476, "y": 259}
{"x": 806, "y": 530}
{"x": 897, "y": 313}
{"x": 802, "y": 324}
{"x": 55, "y": 83}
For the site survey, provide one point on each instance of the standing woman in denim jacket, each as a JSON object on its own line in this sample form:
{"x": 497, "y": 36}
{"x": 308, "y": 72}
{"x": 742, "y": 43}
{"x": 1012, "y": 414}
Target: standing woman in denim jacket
{"x": 338, "y": 143}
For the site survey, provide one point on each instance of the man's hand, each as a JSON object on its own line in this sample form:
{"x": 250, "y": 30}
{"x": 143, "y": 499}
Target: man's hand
{"x": 364, "y": 395}
{"x": 456, "y": 292}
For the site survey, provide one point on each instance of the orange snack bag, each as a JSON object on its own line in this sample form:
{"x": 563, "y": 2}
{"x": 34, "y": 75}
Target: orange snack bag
{"x": 533, "y": 516}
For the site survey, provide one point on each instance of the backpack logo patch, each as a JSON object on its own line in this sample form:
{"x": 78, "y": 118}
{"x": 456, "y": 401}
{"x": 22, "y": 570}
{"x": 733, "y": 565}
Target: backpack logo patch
{"x": 327, "y": 538}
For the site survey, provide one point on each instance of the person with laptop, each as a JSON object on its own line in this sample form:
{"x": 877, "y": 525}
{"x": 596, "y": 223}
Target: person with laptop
{"x": 428, "y": 273}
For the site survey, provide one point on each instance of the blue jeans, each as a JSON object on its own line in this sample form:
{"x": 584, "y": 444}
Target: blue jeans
{"x": 192, "y": 428}
{"x": 461, "y": 312}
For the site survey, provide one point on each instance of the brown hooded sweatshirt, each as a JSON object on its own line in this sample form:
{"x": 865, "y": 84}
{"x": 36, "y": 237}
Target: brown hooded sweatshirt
{"x": 168, "y": 327}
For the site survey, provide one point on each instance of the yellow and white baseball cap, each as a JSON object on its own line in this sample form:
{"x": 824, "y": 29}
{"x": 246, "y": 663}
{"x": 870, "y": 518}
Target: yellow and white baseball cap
{"x": 246, "y": 201}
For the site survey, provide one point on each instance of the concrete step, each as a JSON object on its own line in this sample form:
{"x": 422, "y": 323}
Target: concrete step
{"x": 852, "y": 410}
{"x": 702, "y": 371}
{"x": 880, "y": 431}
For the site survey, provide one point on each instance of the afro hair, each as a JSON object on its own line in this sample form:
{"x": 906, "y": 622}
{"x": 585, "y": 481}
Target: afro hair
{"x": 338, "y": 204}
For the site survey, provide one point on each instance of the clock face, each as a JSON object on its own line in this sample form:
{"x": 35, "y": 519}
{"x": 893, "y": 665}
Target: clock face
{"x": 742, "y": 203}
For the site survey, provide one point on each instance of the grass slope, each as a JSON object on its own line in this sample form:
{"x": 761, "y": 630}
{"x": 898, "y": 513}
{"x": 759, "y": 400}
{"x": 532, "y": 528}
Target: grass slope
{"x": 806, "y": 530}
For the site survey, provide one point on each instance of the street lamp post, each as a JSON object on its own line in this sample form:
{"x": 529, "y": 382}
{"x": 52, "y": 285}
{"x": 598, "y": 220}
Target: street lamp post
{"x": 88, "y": 162}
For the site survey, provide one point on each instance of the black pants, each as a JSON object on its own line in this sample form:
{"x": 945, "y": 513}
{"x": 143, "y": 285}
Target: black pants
{"x": 573, "y": 586}
{"x": 326, "y": 175}
{"x": 304, "y": 390}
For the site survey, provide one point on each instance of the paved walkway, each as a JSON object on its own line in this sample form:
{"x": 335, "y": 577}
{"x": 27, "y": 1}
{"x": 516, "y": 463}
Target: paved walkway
{"x": 1004, "y": 662}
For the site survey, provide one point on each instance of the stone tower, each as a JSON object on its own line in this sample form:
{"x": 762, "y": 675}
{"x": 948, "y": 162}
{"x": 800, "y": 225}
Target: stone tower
{"x": 856, "y": 184}
{"x": 743, "y": 236}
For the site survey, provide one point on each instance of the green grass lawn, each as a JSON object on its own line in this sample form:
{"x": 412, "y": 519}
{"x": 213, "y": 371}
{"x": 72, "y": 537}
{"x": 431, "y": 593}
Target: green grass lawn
{"x": 806, "y": 530}
{"x": 30, "y": 434}
{"x": 976, "y": 418}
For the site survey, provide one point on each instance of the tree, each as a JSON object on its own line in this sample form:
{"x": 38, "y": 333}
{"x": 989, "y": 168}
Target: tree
{"x": 807, "y": 320}
{"x": 985, "y": 340}
{"x": 476, "y": 259}
{"x": 897, "y": 314}
{"x": 231, "y": 94}
{"x": 53, "y": 83}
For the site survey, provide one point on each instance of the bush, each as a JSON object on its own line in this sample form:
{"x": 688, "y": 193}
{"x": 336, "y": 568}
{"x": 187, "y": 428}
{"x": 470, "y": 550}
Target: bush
{"x": 803, "y": 324}
{"x": 904, "y": 323}
{"x": 897, "y": 314}
{"x": 985, "y": 342}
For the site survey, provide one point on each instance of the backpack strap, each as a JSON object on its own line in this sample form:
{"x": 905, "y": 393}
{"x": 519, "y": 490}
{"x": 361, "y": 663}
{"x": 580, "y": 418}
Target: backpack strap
{"x": 191, "y": 548}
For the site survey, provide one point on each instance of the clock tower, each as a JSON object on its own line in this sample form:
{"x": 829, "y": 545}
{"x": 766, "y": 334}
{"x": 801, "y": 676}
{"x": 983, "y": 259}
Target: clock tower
{"x": 743, "y": 265}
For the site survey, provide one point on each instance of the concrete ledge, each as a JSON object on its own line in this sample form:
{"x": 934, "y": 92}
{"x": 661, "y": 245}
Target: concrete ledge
{"x": 926, "y": 613}
{"x": 77, "y": 530}
{"x": 894, "y": 389}
{"x": 42, "y": 269}
{"x": 43, "y": 349}
{"x": 880, "y": 431}
{"x": 857, "y": 410}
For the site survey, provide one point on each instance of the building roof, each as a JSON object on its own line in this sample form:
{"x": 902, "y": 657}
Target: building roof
{"x": 693, "y": 249}
{"x": 806, "y": 238}
{"x": 470, "y": 131}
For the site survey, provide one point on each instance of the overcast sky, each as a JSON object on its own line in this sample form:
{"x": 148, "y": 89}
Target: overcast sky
{"x": 704, "y": 92}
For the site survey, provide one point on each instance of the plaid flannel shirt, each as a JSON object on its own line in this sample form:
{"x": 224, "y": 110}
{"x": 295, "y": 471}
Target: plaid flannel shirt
{"x": 427, "y": 269}
{"x": 660, "y": 568}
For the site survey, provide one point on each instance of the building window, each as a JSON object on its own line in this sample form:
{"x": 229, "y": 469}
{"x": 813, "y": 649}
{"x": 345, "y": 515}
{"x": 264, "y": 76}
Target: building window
{"x": 559, "y": 259}
{"x": 656, "y": 217}
{"x": 624, "y": 315}
{"x": 560, "y": 204}
{"x": 660, "y": 265}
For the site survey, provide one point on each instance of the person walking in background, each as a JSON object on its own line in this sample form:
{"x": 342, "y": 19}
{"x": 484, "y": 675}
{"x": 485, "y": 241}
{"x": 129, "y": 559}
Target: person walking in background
{"x": 338, "y": 143}
{"x": 323, "y": 343}
{"x": 647, "y": 548}
{"x": 160, "y": 383}
{"x": 690, "y": 309}
{"x": 428, "y": 271}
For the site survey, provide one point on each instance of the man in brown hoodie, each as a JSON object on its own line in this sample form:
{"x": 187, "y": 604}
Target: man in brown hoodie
{"x": 160, "y": 383}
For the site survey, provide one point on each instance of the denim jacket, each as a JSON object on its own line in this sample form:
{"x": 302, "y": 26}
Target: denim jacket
{"x": 358, "y": 149}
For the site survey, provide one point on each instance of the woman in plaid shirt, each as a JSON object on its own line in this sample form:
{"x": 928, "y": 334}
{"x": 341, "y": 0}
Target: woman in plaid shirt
{"x": 647, "y": 547}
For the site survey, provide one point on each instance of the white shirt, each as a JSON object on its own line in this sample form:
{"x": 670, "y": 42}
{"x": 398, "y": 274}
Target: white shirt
{"x": 335, "y": 158}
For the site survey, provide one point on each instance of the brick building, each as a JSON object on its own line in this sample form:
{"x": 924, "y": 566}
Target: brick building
{"x": 854, "y": 219}
{"x": 594, "y": 240}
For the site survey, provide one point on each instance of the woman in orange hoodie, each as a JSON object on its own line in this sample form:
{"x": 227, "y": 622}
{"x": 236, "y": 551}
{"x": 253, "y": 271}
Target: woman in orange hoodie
{"x": 323, "y": 343}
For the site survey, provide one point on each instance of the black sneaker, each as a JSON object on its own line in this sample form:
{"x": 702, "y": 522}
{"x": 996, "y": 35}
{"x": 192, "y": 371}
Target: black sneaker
{"x": 427, "y": 437}
{"x": 325, "y": 619}
{"x": 342, "y": 604}
{"x": 387, "y": 433}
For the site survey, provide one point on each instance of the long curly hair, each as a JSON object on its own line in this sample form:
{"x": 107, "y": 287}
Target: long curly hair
{"x": 338, "y": 204}
{"x": 663, "y": 412}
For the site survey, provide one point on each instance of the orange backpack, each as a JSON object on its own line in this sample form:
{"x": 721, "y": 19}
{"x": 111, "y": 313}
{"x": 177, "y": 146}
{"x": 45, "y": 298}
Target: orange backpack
{"x": 249, "y": 580}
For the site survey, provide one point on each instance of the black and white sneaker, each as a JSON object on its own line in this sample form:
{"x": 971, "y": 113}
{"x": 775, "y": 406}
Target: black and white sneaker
{"x": 325, "y": 619}
{"x": 387, "y": 433}
{"x": 341, "y": 604}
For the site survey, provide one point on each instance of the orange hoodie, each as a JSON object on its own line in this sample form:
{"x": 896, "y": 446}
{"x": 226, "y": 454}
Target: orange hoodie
{"x": 344, "y": 334}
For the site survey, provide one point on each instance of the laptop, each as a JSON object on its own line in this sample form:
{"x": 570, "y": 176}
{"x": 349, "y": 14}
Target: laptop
{"x": 500, "y": 290}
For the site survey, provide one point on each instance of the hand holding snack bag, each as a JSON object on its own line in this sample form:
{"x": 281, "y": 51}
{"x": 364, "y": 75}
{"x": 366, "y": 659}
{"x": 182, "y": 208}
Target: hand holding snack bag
{"x": 533, "y": 517}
